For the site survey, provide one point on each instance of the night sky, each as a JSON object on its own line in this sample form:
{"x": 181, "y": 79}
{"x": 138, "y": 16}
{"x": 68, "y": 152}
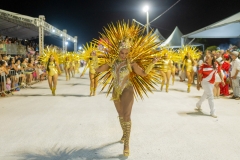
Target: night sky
{"x": 86, "y": 19}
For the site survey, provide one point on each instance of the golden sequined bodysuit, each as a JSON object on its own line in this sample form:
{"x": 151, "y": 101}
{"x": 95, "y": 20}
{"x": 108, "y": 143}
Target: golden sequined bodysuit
{"x": 121, "y": 80}
{"x": 188, "y": 64}
{"x": 52, "y": 69}
{"x": 73, "y": 63}
{"x": 164, "y": 65}
{"x": 91, "y": 67}
{"x": 67, "y": 64}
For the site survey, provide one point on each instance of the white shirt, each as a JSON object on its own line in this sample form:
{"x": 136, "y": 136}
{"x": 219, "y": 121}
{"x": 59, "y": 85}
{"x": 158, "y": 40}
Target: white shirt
{"x": 235, "y": 66}
{"x": 200, "y": 62}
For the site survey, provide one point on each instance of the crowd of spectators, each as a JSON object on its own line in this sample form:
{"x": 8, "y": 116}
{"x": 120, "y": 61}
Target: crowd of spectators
{"x": 19, "y": 72}
{"x": 229, "y": 62}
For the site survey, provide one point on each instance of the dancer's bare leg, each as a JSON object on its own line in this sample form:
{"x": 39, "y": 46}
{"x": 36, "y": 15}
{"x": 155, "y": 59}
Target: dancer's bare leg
{"x": 55, "y": 77}
{"x": 126, "y": 102}
{"x": 164, "y": 77}
{"x": 50, "y": 82}
{"x": 91, "y": 76}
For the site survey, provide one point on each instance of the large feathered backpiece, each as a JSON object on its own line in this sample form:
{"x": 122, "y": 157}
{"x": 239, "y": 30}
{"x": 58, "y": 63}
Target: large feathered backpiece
{"x": 48, "y": 51}
{"x": 143, "y": 49}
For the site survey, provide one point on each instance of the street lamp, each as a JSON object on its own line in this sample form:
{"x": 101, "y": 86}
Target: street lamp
{"x": 145, "y": 9}
{"x": 80, "y": 48}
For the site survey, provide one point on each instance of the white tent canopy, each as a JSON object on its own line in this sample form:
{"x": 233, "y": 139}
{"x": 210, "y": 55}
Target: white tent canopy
{"x": 26, "y": 27}
{"x": 174, "y": 40}
{"x": 159, "y": 35}
{"x": 226, "y": 28}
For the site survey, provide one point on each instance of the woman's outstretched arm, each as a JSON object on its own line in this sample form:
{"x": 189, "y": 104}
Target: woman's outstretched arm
{"x": 139, "y": 71}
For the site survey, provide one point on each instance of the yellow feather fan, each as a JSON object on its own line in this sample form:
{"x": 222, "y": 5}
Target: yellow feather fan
{"x": 143, "y": 48}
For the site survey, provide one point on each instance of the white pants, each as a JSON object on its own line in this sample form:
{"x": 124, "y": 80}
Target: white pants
{"x": 207, "y": 94}
{"x": 236, "y": 87}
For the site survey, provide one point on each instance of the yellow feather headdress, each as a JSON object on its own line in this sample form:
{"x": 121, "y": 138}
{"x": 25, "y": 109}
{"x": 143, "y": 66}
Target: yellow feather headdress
{"x": 48, "y": 51}
{"x": 143, "y": 48}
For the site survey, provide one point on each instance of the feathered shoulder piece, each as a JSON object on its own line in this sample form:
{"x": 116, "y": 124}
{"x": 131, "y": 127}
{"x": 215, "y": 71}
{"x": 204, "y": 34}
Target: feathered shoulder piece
{"x": 48, "y": 51}
{"x": 142, "y": 50}
{"x": 192, "y": 51}
{"x": 86, "y": 55}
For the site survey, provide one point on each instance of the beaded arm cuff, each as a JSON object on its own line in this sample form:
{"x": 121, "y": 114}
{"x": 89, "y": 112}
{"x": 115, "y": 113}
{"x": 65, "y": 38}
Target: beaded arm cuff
{"x": 149, "y": 68}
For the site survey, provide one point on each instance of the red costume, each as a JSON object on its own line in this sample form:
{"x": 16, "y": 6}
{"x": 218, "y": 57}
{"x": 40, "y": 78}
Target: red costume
{"x": 224, "y": 90}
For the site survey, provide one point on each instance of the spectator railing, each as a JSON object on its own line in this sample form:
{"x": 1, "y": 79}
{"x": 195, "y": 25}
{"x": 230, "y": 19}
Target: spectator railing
{"x": 13, "y": 75}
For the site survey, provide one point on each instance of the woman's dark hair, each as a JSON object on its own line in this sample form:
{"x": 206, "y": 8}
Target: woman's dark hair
{"x": 213, "y": 61}
{"x": 1, "y": 63}
{"x": 48, "y": 63}
{"x": 10, "y": 61}
{"x": 29, "y": 60}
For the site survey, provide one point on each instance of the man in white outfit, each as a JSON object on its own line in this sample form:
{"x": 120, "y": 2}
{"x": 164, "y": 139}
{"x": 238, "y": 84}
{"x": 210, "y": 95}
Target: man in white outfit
{"x": 235, "y": 75}
{"x": 206, "y": 79}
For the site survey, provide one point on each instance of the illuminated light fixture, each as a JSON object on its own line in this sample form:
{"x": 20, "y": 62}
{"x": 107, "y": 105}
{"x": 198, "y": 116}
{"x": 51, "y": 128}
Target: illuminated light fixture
{"x": 53, "y": 30}
{"x": 66, "y": 43}
{"x": 80, "y": 47}
{"x": 145, "y": 8}
{"x": 61, "y": 35}
{"x": 74, "y": 40}
{"x": 68, "y": 38}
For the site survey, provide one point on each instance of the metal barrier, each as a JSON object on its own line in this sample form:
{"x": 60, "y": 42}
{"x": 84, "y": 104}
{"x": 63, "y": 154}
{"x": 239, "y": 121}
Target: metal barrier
{"x": 15, "y": 78}
{"x": 3, "y": 83}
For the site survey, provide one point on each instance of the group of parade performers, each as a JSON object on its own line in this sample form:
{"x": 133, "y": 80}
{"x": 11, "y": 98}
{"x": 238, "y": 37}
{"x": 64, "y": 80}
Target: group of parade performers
{"x": 128, "y": 64}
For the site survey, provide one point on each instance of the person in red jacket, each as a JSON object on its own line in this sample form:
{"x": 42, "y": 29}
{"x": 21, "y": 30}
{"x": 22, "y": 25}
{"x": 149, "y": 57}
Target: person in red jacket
{"x": 206, "y": 79}
{"x": 224, "y": 89}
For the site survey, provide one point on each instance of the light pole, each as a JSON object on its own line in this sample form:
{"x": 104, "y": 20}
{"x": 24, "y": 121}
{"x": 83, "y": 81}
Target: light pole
{"x": 145, "y": 9}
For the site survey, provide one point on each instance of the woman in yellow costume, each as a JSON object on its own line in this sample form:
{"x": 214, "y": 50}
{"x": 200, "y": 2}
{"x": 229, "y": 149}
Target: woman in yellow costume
{"x": 77, "y": 64}
{"x": 50, "y": 57}
{"x": 67, "y": 67}
{"x": 88, "y": 49}
{"x": 127, "y": 69}
{"x": 190, "y": 53}
{"x": 73, "y": 65}
{"x": 173, "y": 72}
{"x": 188, "y": 67}
{"x": 165, "y": 70}
{"x": 53, "y": 70}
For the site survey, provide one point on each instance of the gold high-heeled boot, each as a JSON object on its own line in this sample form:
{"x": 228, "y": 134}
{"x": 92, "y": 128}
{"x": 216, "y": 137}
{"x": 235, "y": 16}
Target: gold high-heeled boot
{"x": 188, "y": 89}
{"x": 91, "y": 91}
{"x": 173, "y": 80}
{"x": 53, "y": 91}
{"x": 122, "y": 125}
{"x": 127, "y": 131}
{"x": 67, "y": 78}
{"x": 94, "y": 91}
{"x": 162, "y": 84}
{"x": 167, "y": 87}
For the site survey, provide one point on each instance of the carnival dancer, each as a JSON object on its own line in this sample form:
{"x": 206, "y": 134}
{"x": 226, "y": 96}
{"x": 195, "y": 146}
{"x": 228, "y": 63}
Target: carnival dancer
{"x": 165, "y": 71}
{"x": 188, "y": 67}
{"x": 50, "y": 58}
{"x": 206, "y": 79}
{"x": 67, "y": 67}
{"x": 127, "y": 69}
{"x": 173, "y": 71}
{"x": 53, "y": 70}
{"x": 189, "y": 53}
{"x": 73, "y": 65}
{"x": 88, "y": 49}
{"x": 77, "y": 64}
